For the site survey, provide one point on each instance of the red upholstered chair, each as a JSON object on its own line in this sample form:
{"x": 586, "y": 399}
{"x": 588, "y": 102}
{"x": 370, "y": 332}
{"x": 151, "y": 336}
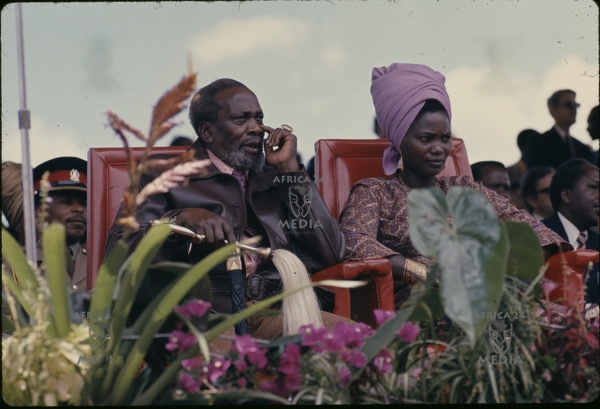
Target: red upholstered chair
{"x": 107, "y": 180}
{"x": 339, "y": 164}
{"x": 567, "y": 270}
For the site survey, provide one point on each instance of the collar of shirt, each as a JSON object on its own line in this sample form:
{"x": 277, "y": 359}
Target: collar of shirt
{"x": 572, "y": 231}
{"x": 222, "y": 166}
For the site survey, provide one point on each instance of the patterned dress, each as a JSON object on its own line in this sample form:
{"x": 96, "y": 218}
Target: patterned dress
{"x": 375, "y": 219}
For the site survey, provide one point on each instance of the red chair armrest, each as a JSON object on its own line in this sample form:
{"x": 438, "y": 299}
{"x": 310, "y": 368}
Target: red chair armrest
{"x": 567, "y": 270}
{"x": 377, "y": 294}
{"x": 351, "y": 270}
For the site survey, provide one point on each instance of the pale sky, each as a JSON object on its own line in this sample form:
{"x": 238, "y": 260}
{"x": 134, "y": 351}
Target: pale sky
{"x": 309, "y": 63}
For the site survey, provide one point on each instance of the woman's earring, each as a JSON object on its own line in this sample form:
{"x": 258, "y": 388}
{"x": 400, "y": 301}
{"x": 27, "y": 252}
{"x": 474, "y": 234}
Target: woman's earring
{"x": 400, "y": 164}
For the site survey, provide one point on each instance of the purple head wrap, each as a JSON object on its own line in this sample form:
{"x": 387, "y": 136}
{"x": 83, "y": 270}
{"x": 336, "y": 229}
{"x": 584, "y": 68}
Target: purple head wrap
{"x": 399, "y": 92}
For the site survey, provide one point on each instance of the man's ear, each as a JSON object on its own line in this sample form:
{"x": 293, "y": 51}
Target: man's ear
{"x": 206, "y": 132}
{"x": 565, "y": 196}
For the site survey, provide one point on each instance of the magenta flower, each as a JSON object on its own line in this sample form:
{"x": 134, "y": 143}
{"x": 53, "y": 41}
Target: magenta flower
{"x": 409, "y": 332}
{"x": 291, "y": 383}
{"x": 249, "y": 349}
{"x": 188, "y": 383}
{"x": 382, "y": 316}
{"x": 195, "y": 308}
{"x": 242, "y": 382}
{"x": 383, "y": 362}
{"x": 355, "y": 357}
{"x": 180, "y": 340}
{"x": 240, "y": 365}
{"x": 290, "y": 359}
{"x": 345, "y": 376}
{"x": 353, "y": 335}
{"x": 191, "y": 364}
{"x": 217, "y": 368}
{"x": 334, "y": 342}
{"x": 313, "y": 337}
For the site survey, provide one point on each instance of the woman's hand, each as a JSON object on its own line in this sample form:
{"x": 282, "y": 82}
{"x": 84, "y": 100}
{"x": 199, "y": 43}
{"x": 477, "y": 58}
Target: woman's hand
{"x": 281, "y": 149}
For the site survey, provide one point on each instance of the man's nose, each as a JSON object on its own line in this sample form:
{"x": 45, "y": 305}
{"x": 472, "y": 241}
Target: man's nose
{"x": 254, "y": 126}
{"x": 79, "y": 207}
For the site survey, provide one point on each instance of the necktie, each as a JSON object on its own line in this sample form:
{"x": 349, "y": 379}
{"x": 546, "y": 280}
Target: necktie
{"x": 581, "y": 239}
{"x": 241, "y": 177}
{"x": 251, "y": 260}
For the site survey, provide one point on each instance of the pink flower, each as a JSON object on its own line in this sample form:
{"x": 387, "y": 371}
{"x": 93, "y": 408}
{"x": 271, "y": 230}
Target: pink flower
{"x": 290, "y": 359}
{"x": 383, "y": 362}
{"x": 291, "y": 383}
{"x": 547, "y": 376}
{"x": 382, "y": 316}
{"x": 240, "y": 365}
{"x": 191, "y": 364}
{"x": 547, "y": 287}
{"x": 345, "y": 376}
{"x": 313, "y": 337}
{"x": 242, "y": 382}
{"x": 249, "y": 349}
{"x": 195, "y": 308}
{"x": 180, "y": 340}
{"x": 334, "y": 342}
{"x": 217, "y": 368}
{"x": 188, "y": 383}
{"x": 409, "y": 332}
{"x": 355, "y": 358}
{"x": 353, "y": 335}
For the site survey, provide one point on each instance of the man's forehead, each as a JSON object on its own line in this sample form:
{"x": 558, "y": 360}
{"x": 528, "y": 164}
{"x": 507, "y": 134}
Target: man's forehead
{"x": 238, "y": 99}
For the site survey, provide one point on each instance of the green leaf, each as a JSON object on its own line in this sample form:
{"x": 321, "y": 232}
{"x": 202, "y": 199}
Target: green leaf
{"x": 20, "y": 268}
{"x": 525, "y": 257}
{"x": 17, "y": 292}
{"x": 136, "y": 267}
{"x": 463, "y": 234}
{"x": 163, "y": 309}
{"x": 53, "y": 243}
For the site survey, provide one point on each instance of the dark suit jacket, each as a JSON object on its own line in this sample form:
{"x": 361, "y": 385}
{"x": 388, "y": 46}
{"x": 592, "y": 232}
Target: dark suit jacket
{"x": 549, "y": 149}
{"x": 593, "y": 290}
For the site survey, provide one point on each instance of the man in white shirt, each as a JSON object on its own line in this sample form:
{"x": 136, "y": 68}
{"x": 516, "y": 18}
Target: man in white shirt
{"x": 576, "y": 200}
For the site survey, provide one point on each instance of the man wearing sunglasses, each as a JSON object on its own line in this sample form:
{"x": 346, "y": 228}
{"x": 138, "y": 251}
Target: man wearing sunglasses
{"x": 556, "y": 145}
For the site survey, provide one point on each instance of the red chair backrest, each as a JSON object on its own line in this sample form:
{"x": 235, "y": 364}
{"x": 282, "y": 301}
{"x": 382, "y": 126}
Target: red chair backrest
{"x": 340, "y": 163}
{"x": 107, "y": 180}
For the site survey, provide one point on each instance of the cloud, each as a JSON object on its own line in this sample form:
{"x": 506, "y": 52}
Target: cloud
{"x": 334, "y": 55}
{"x": 488, "y": 111}
{"x": 236, "y": 38}
{"x": 46, "y": 141}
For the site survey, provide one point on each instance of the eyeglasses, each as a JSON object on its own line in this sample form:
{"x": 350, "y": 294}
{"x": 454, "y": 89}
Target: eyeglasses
{"x": 545, "y": 191}
{"x": 570, "y": 105}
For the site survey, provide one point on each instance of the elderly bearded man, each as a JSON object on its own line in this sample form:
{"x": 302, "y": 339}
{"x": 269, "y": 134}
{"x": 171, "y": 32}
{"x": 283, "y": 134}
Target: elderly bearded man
{"x": 250, "y": 188}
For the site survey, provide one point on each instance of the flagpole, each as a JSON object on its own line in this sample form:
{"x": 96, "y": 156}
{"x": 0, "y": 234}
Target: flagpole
{"x": 24, "y": 125}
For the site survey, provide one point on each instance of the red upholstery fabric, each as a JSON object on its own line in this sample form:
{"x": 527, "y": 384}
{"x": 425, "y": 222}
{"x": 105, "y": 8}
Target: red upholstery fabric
{"x": 107, "y": 180}
{"x": 339, "y": 163}
{"x": 566, "y": 270}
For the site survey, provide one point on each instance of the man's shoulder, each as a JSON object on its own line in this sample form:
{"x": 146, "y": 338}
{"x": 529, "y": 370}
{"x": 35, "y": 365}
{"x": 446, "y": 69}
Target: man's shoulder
{"x": 549, "y": 133}
{"x": 553, "y": 222}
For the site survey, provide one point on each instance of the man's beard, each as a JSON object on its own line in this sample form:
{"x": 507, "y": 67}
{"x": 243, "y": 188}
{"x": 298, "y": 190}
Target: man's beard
{"x": 237, "y": 159}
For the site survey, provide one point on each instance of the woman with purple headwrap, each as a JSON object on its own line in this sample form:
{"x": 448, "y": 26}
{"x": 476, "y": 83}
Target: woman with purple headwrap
{"x": 413, "y": 109}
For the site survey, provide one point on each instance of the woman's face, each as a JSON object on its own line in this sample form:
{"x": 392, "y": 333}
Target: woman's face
{"x": 425, "y": 148}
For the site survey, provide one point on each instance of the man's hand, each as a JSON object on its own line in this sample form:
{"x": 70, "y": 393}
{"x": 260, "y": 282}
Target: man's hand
{"x": 201, "y": 221}
{"x": 281, "y": 149}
